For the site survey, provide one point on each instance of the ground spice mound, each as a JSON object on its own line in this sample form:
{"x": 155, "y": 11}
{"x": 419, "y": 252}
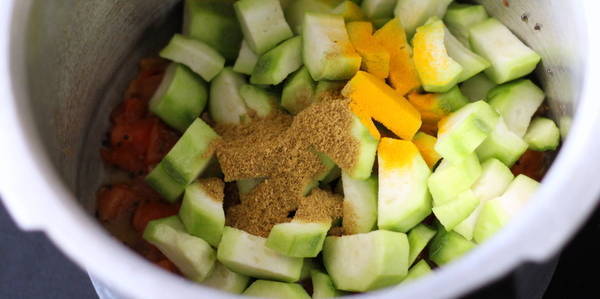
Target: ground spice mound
{"x": 214, "y": 187}
{"x": 284, "y": 150}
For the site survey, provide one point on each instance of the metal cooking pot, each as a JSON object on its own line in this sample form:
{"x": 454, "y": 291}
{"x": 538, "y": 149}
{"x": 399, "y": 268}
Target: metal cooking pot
{"x": 64, "y": 65}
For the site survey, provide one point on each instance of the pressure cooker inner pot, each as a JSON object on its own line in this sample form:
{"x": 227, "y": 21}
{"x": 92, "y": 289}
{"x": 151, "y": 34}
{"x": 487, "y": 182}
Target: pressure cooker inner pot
{"x": 81, "y": 56}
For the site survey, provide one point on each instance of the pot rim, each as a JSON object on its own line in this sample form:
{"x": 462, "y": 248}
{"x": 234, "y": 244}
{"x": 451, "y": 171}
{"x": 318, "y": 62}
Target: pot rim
{"x": 38, "y": 200}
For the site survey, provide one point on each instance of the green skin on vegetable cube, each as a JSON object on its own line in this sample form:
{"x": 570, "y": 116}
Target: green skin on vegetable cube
{"x": 226, "y": 280}
{"x": 494, "y": 180}
{"x": 263, "y": 24}
{"x": 249, "y": 255}
{"x": 327, "y": 51}
{"x": 323, "y": 286}
{"x": 360, "y": 204}
{"x": 418, "y": 238}
{"x": 510, "y": 58}
{"x": 192, "y": 255}
{"x": 186, "y": 160}
{"x": 275, "y": 65}
{"x": 451, "y": 179}
{"x": 226, "y": 105}
{"x": 202, "y": 215}
{"x": 275, "y": 290}
{"x": 447, "y": 247}
{"x": 298, "y": 239}
{"x": 463, "y": 131}
{"x": 180, "y": 98}
{"x": 497, "y": 212}
{"x": 365, "y": 262}
{"x": 213, "y": 22}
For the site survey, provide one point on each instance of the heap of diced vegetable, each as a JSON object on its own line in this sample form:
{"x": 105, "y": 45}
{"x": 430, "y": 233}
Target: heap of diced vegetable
{"x": 444, "y": 78}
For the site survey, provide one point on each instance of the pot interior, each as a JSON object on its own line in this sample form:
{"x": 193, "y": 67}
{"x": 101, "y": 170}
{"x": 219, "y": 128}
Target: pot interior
{"x": 81, "y": 55}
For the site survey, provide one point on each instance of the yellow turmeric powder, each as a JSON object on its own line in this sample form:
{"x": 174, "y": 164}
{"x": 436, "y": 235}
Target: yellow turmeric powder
{"x": 403, "y": 74}
{"x": 375, "y": 58}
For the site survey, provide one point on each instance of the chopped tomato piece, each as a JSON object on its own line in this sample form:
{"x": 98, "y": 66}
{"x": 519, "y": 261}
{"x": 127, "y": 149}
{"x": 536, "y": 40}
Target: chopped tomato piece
{"x": 152, "y": 210}
{"x": 144, "y": 87}
{"x": 132, "y": 109}
{"x": 168, "y": 265}
{"x": 153, "y": 65}
{"x": 115, "y": 200}
{"x": 162, "y": 139}
{"x": 124, "y": 158}
{"x": 532, "y": 164}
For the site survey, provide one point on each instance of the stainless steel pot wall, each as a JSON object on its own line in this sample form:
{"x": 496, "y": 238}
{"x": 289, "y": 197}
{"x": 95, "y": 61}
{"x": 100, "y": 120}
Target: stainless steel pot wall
{"x": 64, "y": 65}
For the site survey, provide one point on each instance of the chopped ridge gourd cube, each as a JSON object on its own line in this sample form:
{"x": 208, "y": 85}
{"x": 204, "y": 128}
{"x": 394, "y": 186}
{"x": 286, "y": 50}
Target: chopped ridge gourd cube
{"x": 328, "y": 53}
{"x": 403, "y": 197}
{"x": 437, "y": 70}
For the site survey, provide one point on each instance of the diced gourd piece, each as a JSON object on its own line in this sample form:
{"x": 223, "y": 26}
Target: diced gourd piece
{"x": 426, "y": 143}
{"x": 334, "y": 174}
{"x": 350, "y": 11}
{"x": 198, "y": 56}
{"x": 328, "y": 53}
{"x": 419, "y": 270}
{"x": 437, "y": 70}
{"x": 295, "y": 12}
{"x": 477, "y": 88}
{"x": 414, "y": 13}
{"x": 451, "y": 179}
{"x": 403, "y": 197}
{"x": 186, "y": 160}
{"x": 298, "y": 238}
{"x": 448, "y": 246}
{"x": 192, "y": 255}
{"x": 328, "y": 166}
{"x": 461, "y": 132}
{"x": 378, "y": 23}
{"x": 213, "y": 22}
{"x": 248, "y": 254}
{"x": 367, "y": 151}
{"x": 180, "y": 98}
{"x": 509, "y": 56}
{"x": 323, "y": 286}
{"x": 368, "y": 261}
{"x": 435, "y": 106}
{"x": 517, "y": 102}
{"x": 375, "y": 58}
{"x": 247, "y": 185}
{"x": 542, "y": 135}
{"x": 453, "y": 212}
{"x": 275, "y": 65}
{"x": 403, "y": 73}
{"x": 376, "y": 9}
{"x": 246, "y": 60}
{"x": 298, "y": 91}
{"x": 226, "y": 280}
{"x": 276, "y": 290}
{"x": 360, "y": 204}
{"x": 372, "y": 98}
{"x": 418, "y": 238}
{"x": 461, "y": 17}
{"x": 495, "y": 178}
{"x": 308, "y": 266}
{"x": 326, "y": 89}
{"x": 497, "y": 212}
{"x": 503, "y": 145}
{"x": 263, "y": 24}
{"x": 258, "y": 100}
{"x": 202, "y": 212}
{"x": 471, "y": 63}
{"x": 226, "y": 105}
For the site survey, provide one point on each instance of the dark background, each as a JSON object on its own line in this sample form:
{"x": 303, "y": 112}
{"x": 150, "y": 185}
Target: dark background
{"x": 32, "y": 267}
